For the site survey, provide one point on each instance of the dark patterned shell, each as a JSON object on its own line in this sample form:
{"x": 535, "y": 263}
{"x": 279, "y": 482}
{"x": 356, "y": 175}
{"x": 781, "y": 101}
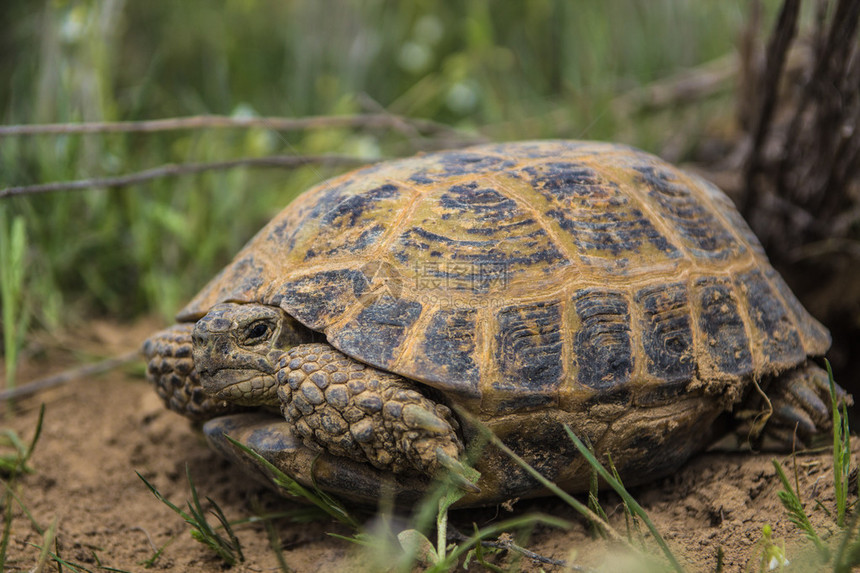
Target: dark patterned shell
{"x": 544, "y": 274}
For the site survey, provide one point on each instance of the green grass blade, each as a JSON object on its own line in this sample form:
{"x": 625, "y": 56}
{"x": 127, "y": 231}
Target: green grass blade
{"x": 47, "y": 540}
{"x": 12, "y": 439}
{"x": 222, "y": 519}
{"x": 163, "y": 499}
{"x": 196, "y": 510}
{"x": 478, "y": 552}
{"x": 566, "y": 497}
{"x": 328, "y": 504}
{"x": 303, "y": 514}
{"x": 594, "y": 505}
{"x": 275, "y": 544}
{"x": 843, "y": 561}
{"x": 36, "y": 435}
{"x": 7, "y": 527}
{"x": 13, "y": 244}
{"x": 796, "y": 514}
{"x": 358, "y": 539}
{"x": 230, "y": 551}
{"x": 428, "y": 509}
{"x": 16, "y": 464}
{"x": 841, "y": 450}
{"x": 148, "y": 563}
{"x": 629, "y": 516}
{"x": 203, "y": 532}
{"x": 628, "y": 499}
{"x": 75, "y": 567}
{"x": 33, "y": 523}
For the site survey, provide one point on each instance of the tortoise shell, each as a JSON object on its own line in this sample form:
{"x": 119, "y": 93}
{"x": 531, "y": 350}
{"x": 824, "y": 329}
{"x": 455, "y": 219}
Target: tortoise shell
{"x": 530, "y": 275}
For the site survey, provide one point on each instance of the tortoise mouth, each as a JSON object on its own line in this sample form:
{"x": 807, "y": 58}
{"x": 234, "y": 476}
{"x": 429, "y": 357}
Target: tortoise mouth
{"x": 241, "y": 386}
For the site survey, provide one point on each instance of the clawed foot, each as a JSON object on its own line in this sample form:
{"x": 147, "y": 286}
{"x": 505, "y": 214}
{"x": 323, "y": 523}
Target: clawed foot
{"x": 801, "y": 407}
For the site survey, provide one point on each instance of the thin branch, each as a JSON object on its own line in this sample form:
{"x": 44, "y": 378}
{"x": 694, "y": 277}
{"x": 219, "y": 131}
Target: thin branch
{"x": 457, "y": 536}
{"x": 372, "y": 106}
{"x": 369, "y": 121}
{"x": 84, "y": 371}
{"x": 176, "y": 170}
{"x": 511, "y": 546}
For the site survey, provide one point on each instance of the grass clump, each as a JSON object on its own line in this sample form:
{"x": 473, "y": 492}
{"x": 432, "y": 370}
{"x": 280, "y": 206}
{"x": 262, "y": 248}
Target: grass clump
{"x": 847, "y": 552}
{"x": 597, "y": 519}
{"x": 447, "y": 555}
{"x": 12, "y": 466}
{"x": 410, "y": 547}
{"x": 228, "y": 548}
{"x": 631, "y": 504}
{"x": 793, "y": 505}
{"x": 841, "y": 449}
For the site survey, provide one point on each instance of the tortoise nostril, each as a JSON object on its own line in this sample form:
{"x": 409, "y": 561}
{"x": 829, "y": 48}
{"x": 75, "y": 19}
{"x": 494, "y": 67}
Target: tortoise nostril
{"x": 200, "y": 334}
{"x": 219, "y": 325}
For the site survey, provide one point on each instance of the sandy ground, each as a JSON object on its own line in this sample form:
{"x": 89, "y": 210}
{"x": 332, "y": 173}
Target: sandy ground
{"x": 98, "y": 432}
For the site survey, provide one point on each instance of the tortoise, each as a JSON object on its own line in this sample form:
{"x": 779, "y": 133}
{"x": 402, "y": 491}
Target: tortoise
{"x": 362, "y": 337}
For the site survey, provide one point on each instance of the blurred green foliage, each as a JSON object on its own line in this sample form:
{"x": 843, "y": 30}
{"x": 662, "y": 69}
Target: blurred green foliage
{"x": 512, "y": 70}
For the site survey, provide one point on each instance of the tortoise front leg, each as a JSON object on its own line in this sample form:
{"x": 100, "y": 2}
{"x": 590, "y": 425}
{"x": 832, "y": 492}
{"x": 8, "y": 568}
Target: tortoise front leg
{"x": 353, "y": 410}
{"x": 275, "y": 440}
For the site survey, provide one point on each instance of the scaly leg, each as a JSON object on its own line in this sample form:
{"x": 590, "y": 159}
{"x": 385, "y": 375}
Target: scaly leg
{"x": 356, "y": 411}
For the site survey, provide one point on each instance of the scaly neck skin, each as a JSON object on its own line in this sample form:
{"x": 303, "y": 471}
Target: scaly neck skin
{"x": 237, "y": 347}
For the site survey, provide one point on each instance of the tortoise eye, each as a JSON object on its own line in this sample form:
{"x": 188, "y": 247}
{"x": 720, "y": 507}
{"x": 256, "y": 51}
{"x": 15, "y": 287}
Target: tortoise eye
{"x": 257, "y": 330}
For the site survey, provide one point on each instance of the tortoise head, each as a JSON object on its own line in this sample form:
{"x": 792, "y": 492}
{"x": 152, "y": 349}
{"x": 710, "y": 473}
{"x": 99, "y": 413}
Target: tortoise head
{"x": 236, "y": 348}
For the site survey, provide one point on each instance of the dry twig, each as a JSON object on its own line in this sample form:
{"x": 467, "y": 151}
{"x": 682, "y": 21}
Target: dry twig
{"x": 69, "y": 375}
{"x": 367, "y": 121}
{"x": 176, "y": 170}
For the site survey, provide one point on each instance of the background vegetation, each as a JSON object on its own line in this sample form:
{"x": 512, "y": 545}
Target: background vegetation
{"x": 505, "y": 70}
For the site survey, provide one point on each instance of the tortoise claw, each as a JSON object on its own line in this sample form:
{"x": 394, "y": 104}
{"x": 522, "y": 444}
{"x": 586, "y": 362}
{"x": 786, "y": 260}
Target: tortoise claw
{"x": 458, "y": 472}
{"x": 421, "y": 418}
